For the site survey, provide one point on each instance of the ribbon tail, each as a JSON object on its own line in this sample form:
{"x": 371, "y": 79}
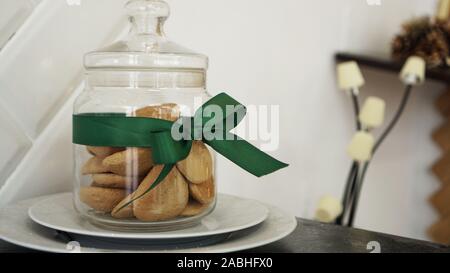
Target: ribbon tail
{"x": 162, "y": 175}
{"x": 166, "y": 150}
{"x": 246, "y": 156}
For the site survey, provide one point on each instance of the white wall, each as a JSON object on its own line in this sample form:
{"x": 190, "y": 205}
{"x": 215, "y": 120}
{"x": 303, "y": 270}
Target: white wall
{"x": 281, "y": 52}
{"x": 12, "y": 14}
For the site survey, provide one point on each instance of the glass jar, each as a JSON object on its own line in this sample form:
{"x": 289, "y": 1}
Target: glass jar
{"x": 148, "y": 76}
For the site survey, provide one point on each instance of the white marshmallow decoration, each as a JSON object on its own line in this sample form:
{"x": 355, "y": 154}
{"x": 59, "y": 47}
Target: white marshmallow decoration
{"x": 372, "y": 113}
{"x": 361, "y": 146}
{"x": 413, "y": 72}
{"x": 329, "y": 209}
{"x": 349, "y": 76}
{"x": 443, "y": 10}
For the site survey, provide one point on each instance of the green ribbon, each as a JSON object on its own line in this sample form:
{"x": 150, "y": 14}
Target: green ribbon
{"x": 118, "y": 130}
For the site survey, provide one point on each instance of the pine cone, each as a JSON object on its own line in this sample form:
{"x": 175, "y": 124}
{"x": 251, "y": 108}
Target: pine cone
{"x": 417, "y": 26}
{"x": 424, "y": 38}
{"x": 433, "y": 48}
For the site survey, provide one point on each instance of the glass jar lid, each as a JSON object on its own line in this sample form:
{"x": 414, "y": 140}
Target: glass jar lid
{"x": 146, "y": 47}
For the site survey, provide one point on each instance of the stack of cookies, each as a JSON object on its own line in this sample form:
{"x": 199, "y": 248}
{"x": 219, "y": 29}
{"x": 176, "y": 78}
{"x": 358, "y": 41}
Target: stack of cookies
{"x": 119, "y": 175}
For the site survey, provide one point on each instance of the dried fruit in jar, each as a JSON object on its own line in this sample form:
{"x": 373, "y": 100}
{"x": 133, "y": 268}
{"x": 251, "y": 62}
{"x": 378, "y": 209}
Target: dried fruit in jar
{"x": 166, "y": 201}
{"x": 193, "y": 208}
{"x": 204, "y": 192}
{"x": 101, "y": 199}
{"x": 110, "y": 180}
{"x": 103, "y": 151}
{"x": 93, "y": 166}
{"x": 198, "y": 166}
{"x": 131, "y": 162}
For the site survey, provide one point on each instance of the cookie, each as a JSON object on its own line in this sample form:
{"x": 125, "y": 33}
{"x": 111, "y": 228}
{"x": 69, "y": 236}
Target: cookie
{"x": 193, "y": 208}
{"x": 198, "y": 166}
{"x": 110, "y": 180}
{"x": 131, "y": 162}
{"x": 101, "y": 199}
{"x": 121, "y": 212}
{"x": 94, "y": 166}
{"x": 166, "y": 201}
{"x": 103, "y": 151}
{"x": 167, "y": 111}
{"x": 204, "y": 193}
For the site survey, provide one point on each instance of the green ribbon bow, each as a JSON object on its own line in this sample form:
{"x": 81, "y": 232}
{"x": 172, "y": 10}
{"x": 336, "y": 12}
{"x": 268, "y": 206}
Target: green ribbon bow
{"x": 118, "y": 130}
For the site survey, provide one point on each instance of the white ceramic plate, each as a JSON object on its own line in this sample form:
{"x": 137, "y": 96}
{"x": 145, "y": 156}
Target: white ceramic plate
{"x": 17, "y": 228}
{"x": 231, "y": 214}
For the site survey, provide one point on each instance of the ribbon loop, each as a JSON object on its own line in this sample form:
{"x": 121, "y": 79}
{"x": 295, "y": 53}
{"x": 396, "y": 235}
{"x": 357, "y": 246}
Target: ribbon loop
{"x": 222, "y": 112}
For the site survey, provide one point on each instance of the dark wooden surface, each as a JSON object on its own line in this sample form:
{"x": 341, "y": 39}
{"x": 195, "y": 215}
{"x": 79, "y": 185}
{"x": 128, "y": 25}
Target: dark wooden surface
{"x": 437, "y": 74}
{"x": 314, "y": 237}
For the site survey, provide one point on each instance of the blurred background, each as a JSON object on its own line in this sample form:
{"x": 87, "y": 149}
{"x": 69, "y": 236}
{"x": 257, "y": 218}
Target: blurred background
{"x": 261, "y": 52}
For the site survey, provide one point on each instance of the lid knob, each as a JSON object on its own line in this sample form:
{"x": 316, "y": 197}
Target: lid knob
{"x": 148, "y": 16}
